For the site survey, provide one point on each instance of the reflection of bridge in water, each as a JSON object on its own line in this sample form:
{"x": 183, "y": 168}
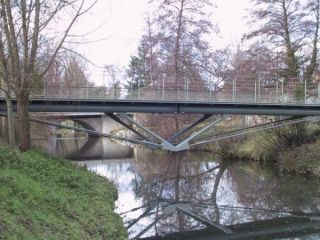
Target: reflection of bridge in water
{"x": 175, "y": 197}
{"x": 80, "y": 149}
{"x": 215, "y": 104}
{"x": 293, "y": 225}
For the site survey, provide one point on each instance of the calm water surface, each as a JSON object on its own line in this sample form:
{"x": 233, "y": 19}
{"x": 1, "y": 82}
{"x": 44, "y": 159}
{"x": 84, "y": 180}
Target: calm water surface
{"x": 164, "y": 193}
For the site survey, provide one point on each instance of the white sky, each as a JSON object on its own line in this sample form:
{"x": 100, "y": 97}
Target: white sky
{"x": 123, "y": 23}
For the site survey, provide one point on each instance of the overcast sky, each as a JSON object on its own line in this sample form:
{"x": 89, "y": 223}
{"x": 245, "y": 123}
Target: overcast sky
{"x": 122, "y": 22}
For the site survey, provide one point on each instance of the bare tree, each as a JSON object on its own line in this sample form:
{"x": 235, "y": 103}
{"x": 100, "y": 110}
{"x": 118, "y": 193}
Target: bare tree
{"x": 24, "y": 31}
{"x": 183, "y": 24}
{"x": 313, "y": 26}
{"x": 53, "y": 79}
{"x": 219, "y": 69}
{"x": 75, "y": 81}
{"x": 114, "y": 74}
{"x": 149, "y": 44}
{"x": 174, "y": 49}
{"x": 281, "y": 23}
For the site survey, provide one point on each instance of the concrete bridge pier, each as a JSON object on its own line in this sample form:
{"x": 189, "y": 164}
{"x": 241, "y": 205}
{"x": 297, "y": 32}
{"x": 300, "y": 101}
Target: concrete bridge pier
{"x": 96, "y": 147}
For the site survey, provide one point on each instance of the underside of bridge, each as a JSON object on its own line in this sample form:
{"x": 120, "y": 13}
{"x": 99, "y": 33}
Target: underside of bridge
{"x": 204, "y": 131}
{"x": 198, "y": 132}
{"x": 201, "y": 130}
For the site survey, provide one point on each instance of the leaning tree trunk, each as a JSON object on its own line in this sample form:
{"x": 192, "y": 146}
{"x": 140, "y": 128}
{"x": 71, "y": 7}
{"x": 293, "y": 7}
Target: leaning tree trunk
{"x": 219, "y": 175}
{"x": 23, "y": 121}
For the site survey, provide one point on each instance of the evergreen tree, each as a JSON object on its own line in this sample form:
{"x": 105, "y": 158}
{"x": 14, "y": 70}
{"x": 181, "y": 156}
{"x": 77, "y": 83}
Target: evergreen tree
{"x": 138, "y": 70}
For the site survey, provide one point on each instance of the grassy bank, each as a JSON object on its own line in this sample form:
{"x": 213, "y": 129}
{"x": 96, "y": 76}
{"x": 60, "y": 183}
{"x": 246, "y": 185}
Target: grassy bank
{"x": 301, "y": 159}
{"x": 42, "y": 197}
{"x": 304, "y": 159}
{"x": 294, "y": 148}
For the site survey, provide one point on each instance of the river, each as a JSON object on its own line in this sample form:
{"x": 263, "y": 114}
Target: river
{"x": 166, "y": 194}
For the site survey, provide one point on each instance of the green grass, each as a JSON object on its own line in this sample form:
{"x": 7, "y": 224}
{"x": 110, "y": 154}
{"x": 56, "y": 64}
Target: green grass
{"x": 42, "y": 197}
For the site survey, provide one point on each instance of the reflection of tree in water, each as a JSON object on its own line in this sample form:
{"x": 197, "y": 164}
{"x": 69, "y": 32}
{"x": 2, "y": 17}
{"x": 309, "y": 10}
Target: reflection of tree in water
{"x": 204, "y": 188}
{"x": 177, "y": 179}
{"x": 264, "y": 188}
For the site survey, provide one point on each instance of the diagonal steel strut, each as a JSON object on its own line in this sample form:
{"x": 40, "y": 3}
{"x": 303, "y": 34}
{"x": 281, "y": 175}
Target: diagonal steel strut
{"x": 250, "y": 130}
{"x": 196, "y": 123}
{"x": 90, "y": 132}
{"x": 161, "y": 139}
{"x": 118, "y": 120}
{"x": 184, "y": 145}
{"x": 206, "y": 222}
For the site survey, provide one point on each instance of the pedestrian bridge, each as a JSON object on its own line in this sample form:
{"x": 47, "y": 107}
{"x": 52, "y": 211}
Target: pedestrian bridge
{"x": 295, "y": 97}
{"x": 46, "y": 104}
{"x": 214, "y": 106}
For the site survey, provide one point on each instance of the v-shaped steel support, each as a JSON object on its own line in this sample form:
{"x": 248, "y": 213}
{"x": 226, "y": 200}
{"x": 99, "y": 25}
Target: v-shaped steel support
{"x": 186, "y": 129}
{"x": 166, "y": 144}
{"x": 185, "y": 145}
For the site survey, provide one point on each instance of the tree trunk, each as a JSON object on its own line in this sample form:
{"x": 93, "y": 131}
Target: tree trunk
{"x": 177, "y": 192}
{"x": 10, "y": 122}
{"x": 177, "y": 44}
{"x": 314, "y": 57}
{"x": 1, "y": 127}
{"x": 4, "y": 129}
{"x": 219, "y": 175}
{"x": 23, "y": 122}
{"x": 291, "y": 59}
{"x": 292, "y": 62}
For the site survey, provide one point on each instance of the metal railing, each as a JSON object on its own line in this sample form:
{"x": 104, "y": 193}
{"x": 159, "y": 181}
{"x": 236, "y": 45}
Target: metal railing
{"x": 295, "y": 91}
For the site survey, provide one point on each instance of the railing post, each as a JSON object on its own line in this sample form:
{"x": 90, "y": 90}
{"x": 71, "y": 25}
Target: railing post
{"x": 177, "y": 92}
{"x": 259, "y": 88}
{"x": 233, "y": 90}
{"x": 163, "y": 93}
{"x": 277, "y": 91}
{"x": 187, "y": 81}
{"x": 210, "y": 88}
{"x": 87, "y": 90}
{"x": 305, "y": 90}
{"x": 184, "y": 87}
{"x": 158, "y": 83}
{"x": 255, "y": 90}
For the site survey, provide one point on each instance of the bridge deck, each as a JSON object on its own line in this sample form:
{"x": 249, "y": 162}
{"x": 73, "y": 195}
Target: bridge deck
{"x": 149, "y": 106}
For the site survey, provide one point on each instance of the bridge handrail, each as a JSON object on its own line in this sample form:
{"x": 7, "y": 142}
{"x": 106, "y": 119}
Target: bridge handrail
{"x": 180, "y": 90}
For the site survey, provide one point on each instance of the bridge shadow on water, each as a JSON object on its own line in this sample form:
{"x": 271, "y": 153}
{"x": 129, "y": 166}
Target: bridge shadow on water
{"x": 194, "y": 196}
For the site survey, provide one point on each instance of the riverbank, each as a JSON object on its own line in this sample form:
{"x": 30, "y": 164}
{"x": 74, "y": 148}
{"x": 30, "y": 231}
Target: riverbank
{"x": 43, "y": 197}
{"x": 302, "y": 159}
